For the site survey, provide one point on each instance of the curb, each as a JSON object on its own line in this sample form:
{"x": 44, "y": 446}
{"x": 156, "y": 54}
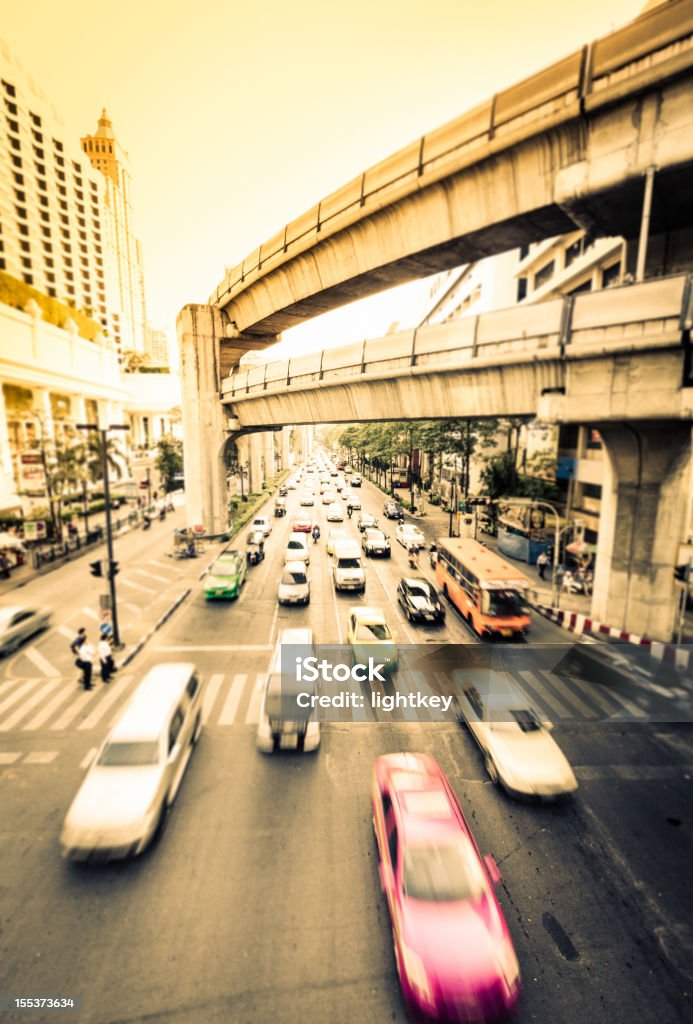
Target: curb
{"x": 157, "y": 625}
{"x": 679, "y": 656}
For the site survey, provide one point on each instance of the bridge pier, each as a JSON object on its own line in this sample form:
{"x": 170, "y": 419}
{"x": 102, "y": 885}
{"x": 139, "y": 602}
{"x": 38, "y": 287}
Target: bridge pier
{"x": 644, "y": 518}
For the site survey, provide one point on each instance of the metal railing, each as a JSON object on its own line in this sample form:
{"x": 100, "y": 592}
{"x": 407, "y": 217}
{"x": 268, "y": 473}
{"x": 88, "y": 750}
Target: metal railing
{"x": 559, "y": 92}
{"x": 657, "y": 313}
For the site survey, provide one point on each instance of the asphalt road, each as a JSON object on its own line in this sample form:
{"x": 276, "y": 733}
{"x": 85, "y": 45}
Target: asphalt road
{"x": 261, "y": 902}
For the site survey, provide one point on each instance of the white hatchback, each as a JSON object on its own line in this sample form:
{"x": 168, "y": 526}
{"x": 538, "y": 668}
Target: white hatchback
{"x": 297, "y": 549}
{"x": 335, "y": 513}
{"x": 294, "y": 585}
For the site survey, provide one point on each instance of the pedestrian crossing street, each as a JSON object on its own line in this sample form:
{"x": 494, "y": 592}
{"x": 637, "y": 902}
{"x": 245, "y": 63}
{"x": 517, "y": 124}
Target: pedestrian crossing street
{"x": 58, "y": 705}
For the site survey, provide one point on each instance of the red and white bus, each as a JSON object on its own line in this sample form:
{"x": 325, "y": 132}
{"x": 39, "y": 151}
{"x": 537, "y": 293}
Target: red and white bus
{"x": 489, "y": 593}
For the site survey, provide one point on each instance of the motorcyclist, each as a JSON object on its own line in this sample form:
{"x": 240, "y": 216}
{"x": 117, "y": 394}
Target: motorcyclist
{"x": 350, "y": 511}
{"x": 414, "y": 557}
{"x": 146, "y": 521}
{"x": 316, "y": 533}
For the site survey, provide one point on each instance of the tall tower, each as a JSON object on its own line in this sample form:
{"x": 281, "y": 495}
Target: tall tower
{"x": 108, "y": 157}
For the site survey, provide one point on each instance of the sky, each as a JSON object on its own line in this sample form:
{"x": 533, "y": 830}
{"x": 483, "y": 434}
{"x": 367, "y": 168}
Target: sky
{"x": 239, "y": 115}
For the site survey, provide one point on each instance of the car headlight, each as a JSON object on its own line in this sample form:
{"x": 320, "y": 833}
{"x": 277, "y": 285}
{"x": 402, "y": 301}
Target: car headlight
{"x": 415, "y": 972}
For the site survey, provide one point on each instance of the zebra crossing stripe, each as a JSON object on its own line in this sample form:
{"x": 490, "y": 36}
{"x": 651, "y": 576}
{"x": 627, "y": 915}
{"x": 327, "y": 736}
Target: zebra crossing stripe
{"x": 27, "y": 706}
{"x": 115, "y": 692}
{"x": 228, "y": 712}
{"x": 539, "y": 693}
{"x": 153, "y": 576}
{"x": 253, "y": 715}
{"x": 79, "y": 702}
{"x": 65, "y": 694}
{"x": 210, "y": 696}
{"x": 18, "y": 694}
{"x": 566, "y": 691}
{"x": 42, "y": 664}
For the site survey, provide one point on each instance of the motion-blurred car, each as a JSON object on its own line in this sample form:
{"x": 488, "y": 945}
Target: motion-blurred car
{"x": 410, "y": 536}
{"x": 263, "y": 523}
{"x": 369, "y": 636}
{"x": 283, "y": 722}
{"x": 391, "y": 510}
{"x": 520, "y": 753}
{"x": 453, "y": 949}
{"x": 18, "y": 623}
{"x": 226, "y": 576}
{"x": 335, "y": 513}
{"x": 294, "y": 584}
{"x": 329, "y": 497}
{"x": 356, "y": 480}
{"x": 374, "y": 542}
{"x": 302, "y": 524}
{"x": 353, "y": 501}
{"x": 307, "y": 499}
{"x": 419, "y": 599}
{"x": 366, "y": 521}
{"x": 133, "y": 780}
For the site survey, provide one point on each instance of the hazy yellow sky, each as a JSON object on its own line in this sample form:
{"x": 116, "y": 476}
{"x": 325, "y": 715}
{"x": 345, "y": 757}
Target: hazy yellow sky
{"x": 238, "y": 116}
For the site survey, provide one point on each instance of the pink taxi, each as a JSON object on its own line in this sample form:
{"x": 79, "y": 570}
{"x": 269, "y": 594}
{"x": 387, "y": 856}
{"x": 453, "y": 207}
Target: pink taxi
{"x": 453, "y": 949}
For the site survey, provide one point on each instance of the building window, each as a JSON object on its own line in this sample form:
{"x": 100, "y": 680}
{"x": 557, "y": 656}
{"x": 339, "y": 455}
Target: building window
{"x": 69, "y": 276}
{"x": 47, "y": 247}
{"x": 9, "y": 89}
{"x": 14, "y": 125}
{"x": 39, "y": 153}
{"x": 64, "y": 218}
{"x": 68, "y": 261}
{"x": 16, "y": 161}
{"x": 59, "y": 161}
{"x": 40, "y": 169}
{"x": 45, "y": 231}
{"x": 2, "y": 263}
{"x": 50, "y": 276}
{"x": 67, "y": 247}
{"x": 21, "y": 211}
{"x": 64, "y": 233}
{"x": 15, "y": 144}
{"x": 49, "y": 261}
{"x": 60, "y": 176}
{"x": 591, "y": 491}
{"x": 573, "y": 251}
{"x": 77, "y": 167}
{"x": 45, "y": 216}
{"x": 594, "y": 439}
{"x": 52, "y": 292}
{"x": 58, "y": 145}
{"x": 18, "y": 178}
{"x": 586, "y": 286}
{"x": 62, "y": 190}
{"x": 43, "y": 200}
{"x": 521, "y": 288}
{"x": 23, "y": 229}
{"x": 24, "y": 246}
{"x": 545, "y": 274}
{"x": 19, "y": 195}
{"x": 35, "y": 118}
{"x": 28, "y": 278}
{"x": 611, "y": 275}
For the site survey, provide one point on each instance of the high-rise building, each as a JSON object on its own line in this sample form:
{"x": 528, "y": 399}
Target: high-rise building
{"x": 156, "y": 347}
{"x": 108, "y": 156}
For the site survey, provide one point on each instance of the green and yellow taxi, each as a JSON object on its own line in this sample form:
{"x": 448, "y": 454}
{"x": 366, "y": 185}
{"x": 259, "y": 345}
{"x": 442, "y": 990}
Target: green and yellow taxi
{"x": 225, "y": 576}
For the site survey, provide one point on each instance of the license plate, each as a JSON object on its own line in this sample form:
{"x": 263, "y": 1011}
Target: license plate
{"x": 505, "y": 632}
{"x": 429, "y": 617}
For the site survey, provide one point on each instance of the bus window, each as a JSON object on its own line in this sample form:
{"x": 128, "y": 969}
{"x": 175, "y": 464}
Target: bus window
{"x": 503, "y": 603}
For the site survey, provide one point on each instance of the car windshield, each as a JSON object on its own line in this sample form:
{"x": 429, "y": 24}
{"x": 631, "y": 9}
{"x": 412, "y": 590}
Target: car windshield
{"x": 290, "y": 579}
{"x": 520, "y": 718}
{"x": 368, "y": 631}
{"x": 120, "y": 755}
{"x": 421, "y": 591}
{"x": 375, "y": 535}
{"x": 348, "y": 563}
{"x": 223, "y": 568}
{"x": 503, "y": 603}
{"x": 443, "y": 872}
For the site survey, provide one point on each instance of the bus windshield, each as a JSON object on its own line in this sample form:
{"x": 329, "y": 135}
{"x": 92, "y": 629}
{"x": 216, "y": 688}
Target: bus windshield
{"x": 503, "y": 603}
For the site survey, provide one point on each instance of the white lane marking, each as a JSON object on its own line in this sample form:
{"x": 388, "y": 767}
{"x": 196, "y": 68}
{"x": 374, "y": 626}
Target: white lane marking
{"x": 27, "y": 706}
{"x": 8, "y": 757}
{"x": 253, "y": 715}
{"x": 115, "y": 690}
{"x": 153, "y": 576}
{"x": 340, "y": 635}
{"x": 65, "y": 631}
{"x": 90, "y": 613}
{"x": 7, "y": 685}
{"x": 592, "y": 691}
{"x": 228, "y": 712}
{"x": 274, "y": 623}
{"x": 220, "y": 647}
{"x": 137, "y": 586}
{"x": 18, "y": 694}
{"x": 76, "y": 705}
{"x": 47, "y": 711}
{"x": 41, "y": 663}
{"x": 136, "y": 608}
{"x": 161, "y": 565}
{"x": 41, "y": 757}
{"x": 87, "y": 759}
{"x": 211, "y": 691}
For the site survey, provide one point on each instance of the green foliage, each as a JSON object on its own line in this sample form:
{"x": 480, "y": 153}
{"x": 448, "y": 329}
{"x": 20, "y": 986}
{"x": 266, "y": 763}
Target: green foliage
{"x": 16, "y": 293}
{"x": 169, "y": 460}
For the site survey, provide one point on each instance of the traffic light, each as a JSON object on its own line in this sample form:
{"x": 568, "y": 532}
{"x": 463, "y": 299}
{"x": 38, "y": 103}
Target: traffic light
{"x": 95, "y": 569}
{"x": 114, "y": 570}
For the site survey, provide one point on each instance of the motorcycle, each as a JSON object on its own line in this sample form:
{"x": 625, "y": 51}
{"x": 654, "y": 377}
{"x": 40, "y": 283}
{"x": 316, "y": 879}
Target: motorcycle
{"x": 146, "y": 522}
{"x": 316, "y": 534}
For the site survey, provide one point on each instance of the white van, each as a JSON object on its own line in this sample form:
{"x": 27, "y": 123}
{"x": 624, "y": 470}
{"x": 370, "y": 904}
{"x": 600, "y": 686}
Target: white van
{"x": 283, "y": 723}
{"x": 297, "y": 549}
{"x": 133, "y": 780}
{"x": 347, "y": 570}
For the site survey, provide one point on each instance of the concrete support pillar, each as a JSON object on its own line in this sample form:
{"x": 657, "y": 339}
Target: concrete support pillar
{"x": 44, "y": 410}
{"x": 268, "y": 439}
{"x": 199, "y": 330}
{"x": 79, "y": 409}
{"x": 643, "y": 520}
{"x": 255, "y": 452}
{"x": 285, "y": 437}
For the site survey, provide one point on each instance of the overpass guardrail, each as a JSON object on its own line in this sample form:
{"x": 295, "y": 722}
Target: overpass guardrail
{"x": 654, "y": 314}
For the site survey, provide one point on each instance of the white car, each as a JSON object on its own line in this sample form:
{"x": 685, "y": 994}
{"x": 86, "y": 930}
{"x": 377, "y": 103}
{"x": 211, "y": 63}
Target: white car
{"x": 18, "y": 623}
{"x": 333, "y": 536}
{"x": 292, "y": 485}
{"x": 354, "y": 501}
{"x": 335, "y": 513}
{"x": 262, "y": 523}
{"x": 410, "y": 536}
{"x": 329, "y": 497}
{"x": 521, "y": 755}
{"x": 294, "y": 585}
{"x": 307, "y": 499}
{"x": 297, "y": 549}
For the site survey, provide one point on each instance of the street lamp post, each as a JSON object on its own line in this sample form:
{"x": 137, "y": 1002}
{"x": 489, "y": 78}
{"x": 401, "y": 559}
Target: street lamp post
{"x": 103, "y": 438}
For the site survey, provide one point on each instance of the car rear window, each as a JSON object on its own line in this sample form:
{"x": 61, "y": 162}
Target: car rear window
{"x": 443, "y": 872}
{"x": 292, "y": 578}
{"x": 373, "y": 631}
{"x": 348, "y": 563}
{"x": 120, "y": 755}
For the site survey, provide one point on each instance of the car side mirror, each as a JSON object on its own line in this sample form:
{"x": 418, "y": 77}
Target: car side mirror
{"x": 493, "y": 869}
{"x": 385, "y": 876}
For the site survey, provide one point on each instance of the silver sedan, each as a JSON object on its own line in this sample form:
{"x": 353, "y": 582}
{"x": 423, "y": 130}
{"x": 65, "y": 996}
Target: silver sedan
{"x": 18, "y": 623}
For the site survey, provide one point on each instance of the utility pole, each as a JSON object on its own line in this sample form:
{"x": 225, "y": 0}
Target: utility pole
{"x": 112, "y": 568}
